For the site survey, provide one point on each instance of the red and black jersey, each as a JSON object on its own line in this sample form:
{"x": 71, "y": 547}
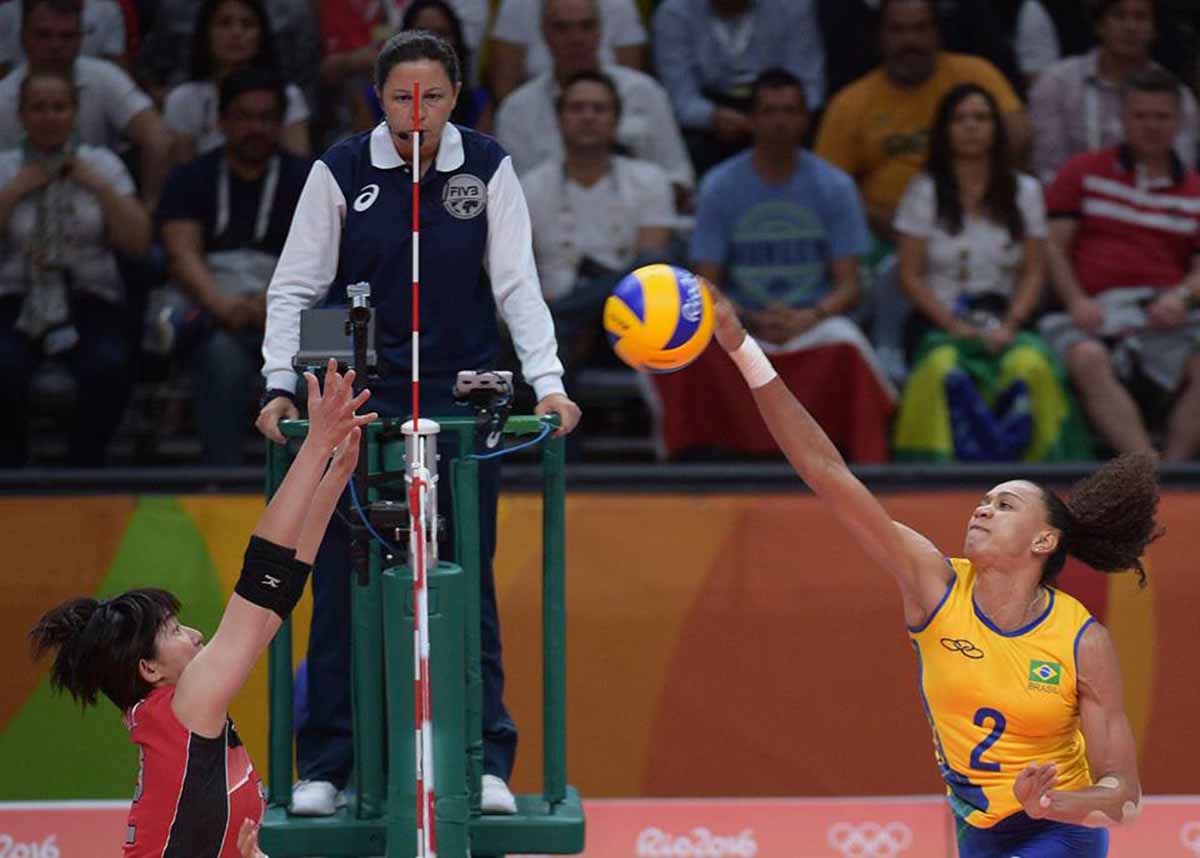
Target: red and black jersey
{"x": 193, "y": 792}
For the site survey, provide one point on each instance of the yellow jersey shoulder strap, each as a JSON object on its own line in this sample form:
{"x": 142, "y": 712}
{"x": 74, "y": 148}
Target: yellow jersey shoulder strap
{"x": 1071, "y": 619}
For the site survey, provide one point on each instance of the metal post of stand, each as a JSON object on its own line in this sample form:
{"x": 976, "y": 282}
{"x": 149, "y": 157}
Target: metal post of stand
{"x": 366, "y": 617}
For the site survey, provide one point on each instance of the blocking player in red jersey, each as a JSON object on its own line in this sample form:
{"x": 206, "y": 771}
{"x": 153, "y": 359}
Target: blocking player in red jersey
{"x": 197, "y": 789}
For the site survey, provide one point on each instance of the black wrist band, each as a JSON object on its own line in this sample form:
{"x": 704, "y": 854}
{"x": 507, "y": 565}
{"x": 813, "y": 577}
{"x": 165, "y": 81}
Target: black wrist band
{"x": 272, "y": 577}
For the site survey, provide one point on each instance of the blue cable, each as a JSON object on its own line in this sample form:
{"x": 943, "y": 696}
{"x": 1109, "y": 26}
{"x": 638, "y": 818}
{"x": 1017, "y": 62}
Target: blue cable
{"x": 362, "y": 515}
{"x": 504, "y": 451}
{"x": 541, "y": 436}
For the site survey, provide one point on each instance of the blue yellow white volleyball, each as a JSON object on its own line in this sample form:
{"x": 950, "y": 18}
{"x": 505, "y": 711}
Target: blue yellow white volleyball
{"x": 659, "y": 318}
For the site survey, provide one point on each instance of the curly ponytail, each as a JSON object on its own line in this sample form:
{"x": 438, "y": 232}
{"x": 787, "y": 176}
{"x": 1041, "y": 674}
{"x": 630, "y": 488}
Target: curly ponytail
{"x": 1108, "y": 519}
{"x": 99, "y": 643}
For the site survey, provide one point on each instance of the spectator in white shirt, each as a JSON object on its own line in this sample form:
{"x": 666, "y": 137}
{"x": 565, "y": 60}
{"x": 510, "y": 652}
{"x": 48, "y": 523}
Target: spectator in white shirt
{"x": 595, "y": 215}
{"x": 517, "y": 51}
{"x": 229, "y": 35}
{"x": 103, "y": 32}
{"x": 64, "y": 208}
{"x": 474, "y": 17}
{"x": 111, "y": 106}
{"x": 527, "y": 123}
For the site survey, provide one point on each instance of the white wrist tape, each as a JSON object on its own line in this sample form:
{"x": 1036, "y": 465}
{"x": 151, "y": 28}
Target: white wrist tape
{"x": 754, "y": 365}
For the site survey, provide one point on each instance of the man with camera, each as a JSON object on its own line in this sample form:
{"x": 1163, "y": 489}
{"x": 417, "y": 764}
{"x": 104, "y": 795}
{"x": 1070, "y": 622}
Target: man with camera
{"x": 224, "y": 219}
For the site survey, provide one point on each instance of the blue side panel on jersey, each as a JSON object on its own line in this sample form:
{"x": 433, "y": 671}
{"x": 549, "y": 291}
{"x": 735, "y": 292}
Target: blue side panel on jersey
{"x": 1078, "y": 638}
{"x": 965, "y": 797}
{"x": 946, "y": 595}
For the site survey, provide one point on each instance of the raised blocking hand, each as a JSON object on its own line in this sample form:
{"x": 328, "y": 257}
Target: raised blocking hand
{"x": 332, "y": 411}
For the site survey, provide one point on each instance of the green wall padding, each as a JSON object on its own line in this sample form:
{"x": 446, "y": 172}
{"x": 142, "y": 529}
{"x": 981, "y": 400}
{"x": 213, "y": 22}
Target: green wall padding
{"x": 89, "y": 755}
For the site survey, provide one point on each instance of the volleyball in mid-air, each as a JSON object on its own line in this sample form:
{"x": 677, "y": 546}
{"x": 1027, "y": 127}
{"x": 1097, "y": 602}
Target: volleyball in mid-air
{"x": 659, "y": 318}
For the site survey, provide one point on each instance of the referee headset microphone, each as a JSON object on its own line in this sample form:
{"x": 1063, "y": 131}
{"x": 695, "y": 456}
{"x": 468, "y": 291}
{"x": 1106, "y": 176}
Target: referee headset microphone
{"x": 403, "y": 135}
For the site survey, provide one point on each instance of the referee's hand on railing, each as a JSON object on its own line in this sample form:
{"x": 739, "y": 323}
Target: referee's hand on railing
{"x": 267, "y": 422}
{"x": 568, "y": 412}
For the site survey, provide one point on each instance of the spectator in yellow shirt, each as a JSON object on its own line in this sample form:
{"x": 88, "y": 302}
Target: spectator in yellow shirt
{"x": 877, "y": 128}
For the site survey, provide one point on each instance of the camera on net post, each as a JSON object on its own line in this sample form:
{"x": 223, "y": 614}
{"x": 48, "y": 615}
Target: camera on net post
{"x": 490, "y": 394}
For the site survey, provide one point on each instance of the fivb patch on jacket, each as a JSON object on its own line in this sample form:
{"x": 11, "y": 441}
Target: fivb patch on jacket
{"x": 465, "y": 196}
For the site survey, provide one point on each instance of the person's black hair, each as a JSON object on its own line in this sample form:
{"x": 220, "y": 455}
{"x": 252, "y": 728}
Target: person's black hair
{"x": 251, "y": 80}
{"x": 202, "y": 66}
{"x": 98, "y": 644}
{"x": 885, "y": 4}
{"x": 61, "y": 7}
{"x": 776, "y": 78}
{"x": 1108, "y": 518}
{"x": 1000, "y": 200}
{"x": 411, "y": 46}
{"x": 1100, "y": 8}
{"x": 458, "y": 42}
{"x": 590, "y": 76}
{"x": 31, "y": 77}
{"x": 1153, "y": 80}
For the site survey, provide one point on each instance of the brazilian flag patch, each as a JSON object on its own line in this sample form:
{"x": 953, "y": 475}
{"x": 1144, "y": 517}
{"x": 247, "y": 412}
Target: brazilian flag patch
{"x": 1045, "y": 672}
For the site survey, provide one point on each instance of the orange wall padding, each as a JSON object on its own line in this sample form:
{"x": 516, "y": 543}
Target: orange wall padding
{"x": 717, "y": 644}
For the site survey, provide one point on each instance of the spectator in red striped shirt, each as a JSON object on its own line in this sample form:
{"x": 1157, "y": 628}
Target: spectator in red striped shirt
{"x": 1124, "y": 257}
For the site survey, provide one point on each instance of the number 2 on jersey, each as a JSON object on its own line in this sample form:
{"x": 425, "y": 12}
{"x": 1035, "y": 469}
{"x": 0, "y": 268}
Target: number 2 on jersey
{"x": 998, "y": 724}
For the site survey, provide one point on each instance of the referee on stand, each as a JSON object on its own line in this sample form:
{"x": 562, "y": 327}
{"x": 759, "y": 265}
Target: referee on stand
{"x": 353, "y": 223}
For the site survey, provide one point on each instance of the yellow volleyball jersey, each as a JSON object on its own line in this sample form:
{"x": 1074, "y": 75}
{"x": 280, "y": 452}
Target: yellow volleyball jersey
{"x": 998, "y": 701}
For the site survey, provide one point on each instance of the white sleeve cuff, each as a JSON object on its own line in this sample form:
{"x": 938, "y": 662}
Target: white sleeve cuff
{"x": 546, "y": 385}
{"x": 282, "y": 380}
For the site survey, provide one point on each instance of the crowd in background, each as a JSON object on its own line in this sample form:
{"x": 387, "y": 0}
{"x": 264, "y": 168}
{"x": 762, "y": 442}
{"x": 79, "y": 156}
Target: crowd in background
{"x": 965, "y": 230}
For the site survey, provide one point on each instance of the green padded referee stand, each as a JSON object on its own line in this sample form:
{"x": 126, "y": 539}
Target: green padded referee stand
{"x": 381, "y": 818}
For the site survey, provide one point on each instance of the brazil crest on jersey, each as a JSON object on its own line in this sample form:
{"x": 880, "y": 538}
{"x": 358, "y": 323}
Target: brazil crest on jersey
{"x": 998, "y": 701}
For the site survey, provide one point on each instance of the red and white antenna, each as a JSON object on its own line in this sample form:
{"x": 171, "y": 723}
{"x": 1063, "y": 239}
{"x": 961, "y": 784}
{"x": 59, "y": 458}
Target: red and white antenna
{"x": 422, "y": 520}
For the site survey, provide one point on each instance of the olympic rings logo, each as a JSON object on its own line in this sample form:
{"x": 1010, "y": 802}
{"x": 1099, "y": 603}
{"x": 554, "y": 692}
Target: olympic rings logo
{"x": 1189, "y": 836}
{"x": 870, "y": 839}
{"x": 964, "y": 646}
